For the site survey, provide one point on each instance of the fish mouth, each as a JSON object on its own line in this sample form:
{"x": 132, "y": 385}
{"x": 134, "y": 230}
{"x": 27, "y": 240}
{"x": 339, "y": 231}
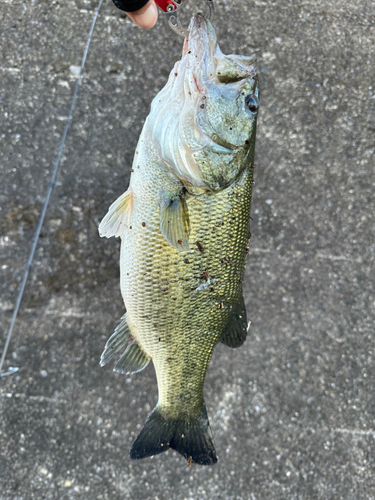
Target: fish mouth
{"x": 201, "y": 41}
{"x": 202, "y": 58}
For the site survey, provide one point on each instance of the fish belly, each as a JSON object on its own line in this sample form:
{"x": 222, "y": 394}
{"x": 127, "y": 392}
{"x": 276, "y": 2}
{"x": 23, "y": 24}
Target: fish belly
{"x": 178, "y": 303}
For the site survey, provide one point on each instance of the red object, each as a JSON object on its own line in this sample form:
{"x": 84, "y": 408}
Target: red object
{"x": 163, "y": 4}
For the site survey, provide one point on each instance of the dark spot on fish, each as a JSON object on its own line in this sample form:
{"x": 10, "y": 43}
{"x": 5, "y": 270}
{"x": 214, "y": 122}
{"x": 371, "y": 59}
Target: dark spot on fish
{"x": 204, "y": 97}
{"x": 159, "y": 339}
{"x": 230, "y": 128}
{"x": 214, "y": 229}
{"x": 219, "y": 72}
{"x": 212, "y": 290}
{"x": 201, "y": 249}
{"x": 227, "y": 259}
{"x": 132, "y": 170}
{"x": 249, "y": 235}
{"x": 247, "y": 142}
{"x": 189, "y": 52}
{"x": 136, "y": 154}
{"x": 169, "y": 360}
{"x": 143, "y": 224}
{"x": 179, "y": 242}
{"x": 202, "y": 106}
{"x": 205, "y": 275}
{"x": 186, "y": 260}
{"x": 220, "y": 306}
{"x": 130, "y": 227}
{"x": 165, "y": 289}
{"x": 155, "y": 325}
{"x": 176, "y": 74}
{"x": 254, "y": 165}
{"x": 240, "y": 281}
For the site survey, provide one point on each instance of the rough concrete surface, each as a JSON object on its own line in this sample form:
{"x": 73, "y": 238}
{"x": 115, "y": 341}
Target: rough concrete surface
{"x": 292, "y": 411}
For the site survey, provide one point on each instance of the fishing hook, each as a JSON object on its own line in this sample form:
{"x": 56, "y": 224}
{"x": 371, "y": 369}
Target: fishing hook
{"x": 172, "y": 9}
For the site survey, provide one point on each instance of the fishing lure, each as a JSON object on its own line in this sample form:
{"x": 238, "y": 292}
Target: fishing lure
{"x": 172, "y": 10}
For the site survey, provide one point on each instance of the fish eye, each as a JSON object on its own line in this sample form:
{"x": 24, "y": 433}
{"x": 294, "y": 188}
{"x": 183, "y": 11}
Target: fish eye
{"x": 251, "y": 103}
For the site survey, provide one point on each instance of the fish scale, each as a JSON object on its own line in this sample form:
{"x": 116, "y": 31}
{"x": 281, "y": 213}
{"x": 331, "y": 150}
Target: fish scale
{"x": 184, "y": 228}
{"x": 152, "y": 286}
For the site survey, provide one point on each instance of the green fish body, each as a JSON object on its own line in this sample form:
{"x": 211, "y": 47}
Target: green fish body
{"x": 184, "y": 226}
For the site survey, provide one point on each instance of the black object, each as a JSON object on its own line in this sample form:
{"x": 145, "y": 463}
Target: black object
{"x": 130, "y": 5}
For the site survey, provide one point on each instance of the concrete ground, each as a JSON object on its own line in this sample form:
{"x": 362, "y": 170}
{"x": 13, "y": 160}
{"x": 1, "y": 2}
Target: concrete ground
{"x": 292, "y": 412}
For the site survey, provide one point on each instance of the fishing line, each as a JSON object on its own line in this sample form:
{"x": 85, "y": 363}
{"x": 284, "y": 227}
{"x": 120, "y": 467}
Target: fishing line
{"x": 42, "y": 215}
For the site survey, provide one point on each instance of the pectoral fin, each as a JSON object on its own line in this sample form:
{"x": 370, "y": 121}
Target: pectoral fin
{"x": 118, "y": 216}
{"x": 235, "y": 332}
{"x": 174, "y": 220}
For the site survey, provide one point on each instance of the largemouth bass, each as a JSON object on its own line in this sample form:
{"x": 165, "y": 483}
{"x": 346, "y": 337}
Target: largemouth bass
{"x": 184, "y": 226}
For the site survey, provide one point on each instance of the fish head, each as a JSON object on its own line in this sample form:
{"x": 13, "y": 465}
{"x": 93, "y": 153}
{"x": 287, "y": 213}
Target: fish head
{"x": 214, "y": 100}
{"x": 224, "y": 96}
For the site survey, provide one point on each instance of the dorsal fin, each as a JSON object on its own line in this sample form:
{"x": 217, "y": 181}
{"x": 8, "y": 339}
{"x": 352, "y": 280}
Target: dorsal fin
{"x": 118, "y": 216}
{"x": 235, "y": 332}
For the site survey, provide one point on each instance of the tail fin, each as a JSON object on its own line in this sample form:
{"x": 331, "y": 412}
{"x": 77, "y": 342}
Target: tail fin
{"x": 189, "y": 437}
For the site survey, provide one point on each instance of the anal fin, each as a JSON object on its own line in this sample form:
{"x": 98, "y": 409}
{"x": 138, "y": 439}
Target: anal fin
{"x": 117, "y": 341}
{"x": 235, "y": 332}
{"x": 133, "y": 360}
{"x": 174, "y": 220}
{"x": 118, "y": 216}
